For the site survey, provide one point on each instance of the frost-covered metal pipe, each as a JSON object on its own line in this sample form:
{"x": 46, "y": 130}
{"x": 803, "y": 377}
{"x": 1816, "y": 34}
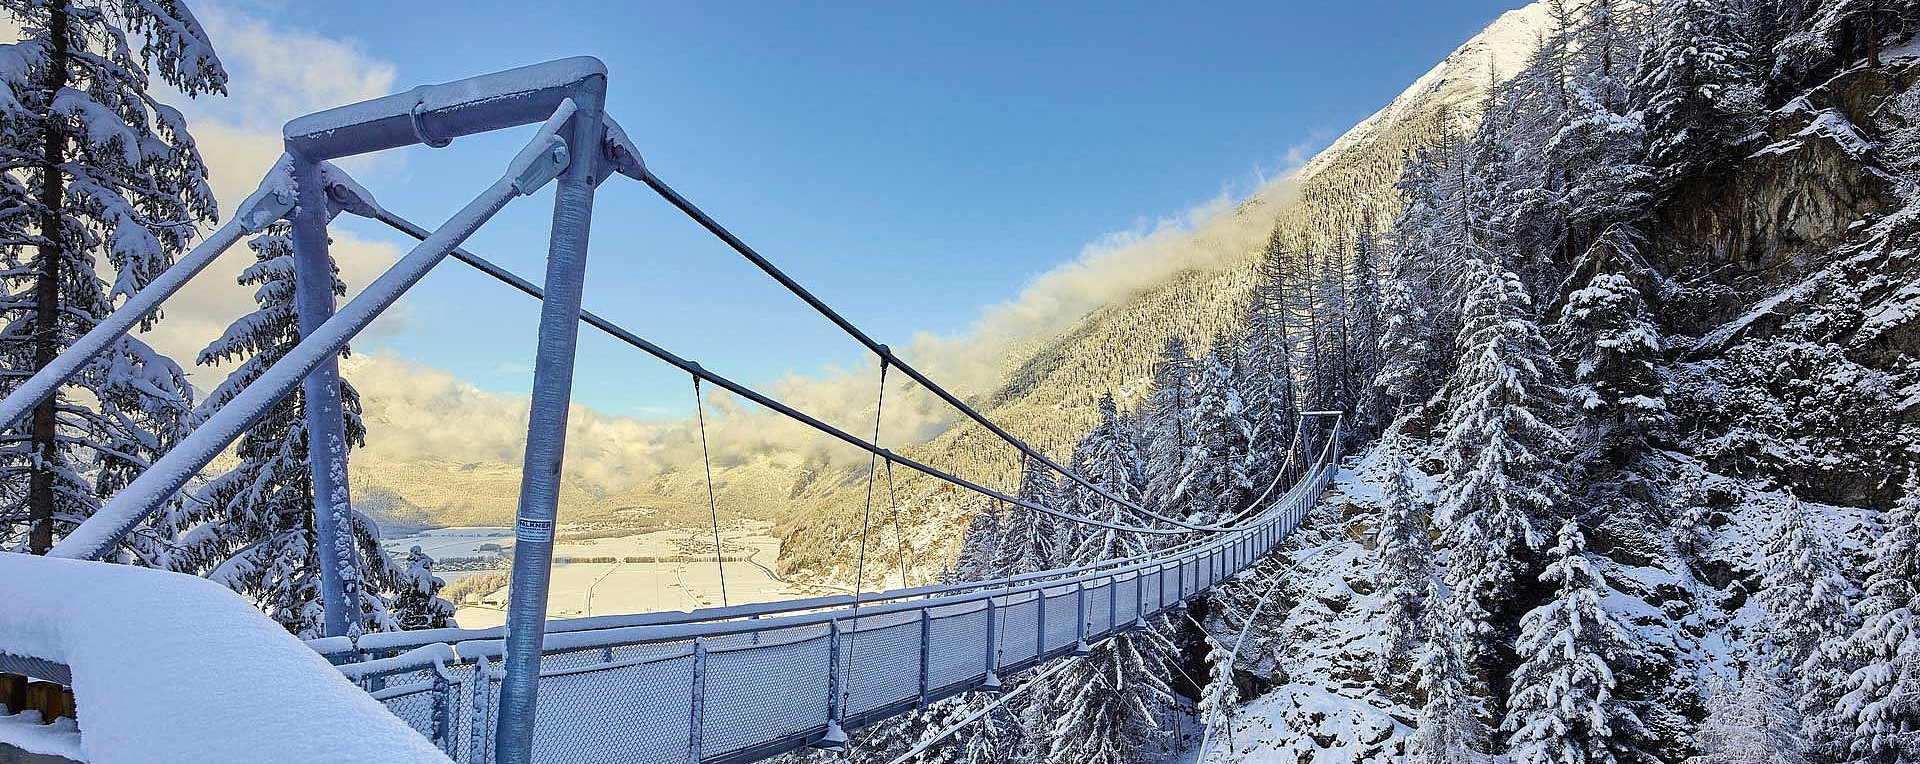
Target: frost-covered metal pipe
{"x": 547, "y": 423}
{"x": 326, "y": 435}
{"x": 165, "y": 477}
{"x": 269, "y": 203}
{"x": 435, "y": 114}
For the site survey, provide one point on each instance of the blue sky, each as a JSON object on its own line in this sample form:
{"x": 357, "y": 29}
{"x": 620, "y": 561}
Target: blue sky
{"x": 912, "y": 163}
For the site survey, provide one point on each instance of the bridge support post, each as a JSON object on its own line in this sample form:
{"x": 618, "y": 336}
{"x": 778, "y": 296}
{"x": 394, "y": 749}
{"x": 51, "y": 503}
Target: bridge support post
{"x": 326, "y": 435}
{"x": 696, "y": 728}
{"x": 1080, "y": 646}
{"x": 926, "y": 653}
{"x": 992, "y": 682}
{"x": 547, "y": 424}
{"x": 835, "y": 738}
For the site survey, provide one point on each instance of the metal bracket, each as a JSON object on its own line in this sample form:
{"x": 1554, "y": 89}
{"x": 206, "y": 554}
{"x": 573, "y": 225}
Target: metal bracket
{"x": 269, "y": 203}
{"x": 344, "y": 194}
{"x": 621, "y": 153}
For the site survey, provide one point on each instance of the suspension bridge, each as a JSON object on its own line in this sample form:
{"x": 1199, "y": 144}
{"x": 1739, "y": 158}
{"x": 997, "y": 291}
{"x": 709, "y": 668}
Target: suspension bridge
{"x": 728, "y": 684}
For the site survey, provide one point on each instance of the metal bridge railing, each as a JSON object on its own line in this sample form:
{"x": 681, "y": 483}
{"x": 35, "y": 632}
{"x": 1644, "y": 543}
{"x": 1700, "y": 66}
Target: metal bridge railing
{"x": 734, "y": 689}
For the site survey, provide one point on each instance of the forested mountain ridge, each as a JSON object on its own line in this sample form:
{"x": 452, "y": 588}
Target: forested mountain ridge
{"x": 1051, "y": 385}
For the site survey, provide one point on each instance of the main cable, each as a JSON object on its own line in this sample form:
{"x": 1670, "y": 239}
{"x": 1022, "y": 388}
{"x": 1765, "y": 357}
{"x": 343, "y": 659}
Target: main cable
{"x": 617, "y": 332}
{"x": 713, "y": 226}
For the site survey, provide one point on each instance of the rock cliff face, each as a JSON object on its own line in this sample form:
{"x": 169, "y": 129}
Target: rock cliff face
{"x": 1792, "y": 285}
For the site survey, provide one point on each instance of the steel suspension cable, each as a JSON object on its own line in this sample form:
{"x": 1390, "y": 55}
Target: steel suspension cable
{"x": 899, "y": 531}
{"x": 738, "y": 245}
{"x": 860, "y": 569}
{"x": 636, "y": 341}
{"x": 713, "y": 507}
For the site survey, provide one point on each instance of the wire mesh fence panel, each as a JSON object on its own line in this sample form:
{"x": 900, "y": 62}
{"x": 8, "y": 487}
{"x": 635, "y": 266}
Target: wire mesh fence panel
{"x": 418, "y": 707}
{"x": 881, "y": 663}
{"x": 758, "y": 693}
{"x": 1063, "y": 618}
{"x": 1126, "y": 598}
{"x": 635, "y": 711}
{"x": 1100, "y": 607}
{"x": 957, "y": 644}
{"x": 1018, "y": 629}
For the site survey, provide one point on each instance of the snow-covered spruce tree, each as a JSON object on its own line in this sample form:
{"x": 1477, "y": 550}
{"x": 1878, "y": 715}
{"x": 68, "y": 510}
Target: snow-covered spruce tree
{"x": 252, "y": 527}
{"x": 1028, "y": 538}
{"x": 1694, "y": 87}
{"x": 1107, "y": 458}
{"x": 1216, "y": 478}
{"x": 1562, "y": 708}
{"x": 980, "y": 550}
{"x": 1807, "y": 600}
{"x": 1404, "y": 376}
{"x": 1168, "y": 429}
{"x": 1878, "y": 716}
{"x": 1222, "y": 693}
{"x": 1403, "y": 562}
{"x": 1502, "y": 447}
{"x": 1754, "y": 721}
{"x": 102, "y": 189}
{"x": 1450, "y": 729}
{"x": 1104, "y": 709}
{"x": 1618, "y": 388}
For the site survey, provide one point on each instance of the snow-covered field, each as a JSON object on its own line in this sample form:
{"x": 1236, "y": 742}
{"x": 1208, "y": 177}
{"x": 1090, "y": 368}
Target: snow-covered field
{"x": 599, "y": 588}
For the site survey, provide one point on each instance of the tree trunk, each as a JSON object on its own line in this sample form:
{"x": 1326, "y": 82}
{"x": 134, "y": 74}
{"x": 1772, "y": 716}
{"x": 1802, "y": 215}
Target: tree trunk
{"x": 46, "y": 290}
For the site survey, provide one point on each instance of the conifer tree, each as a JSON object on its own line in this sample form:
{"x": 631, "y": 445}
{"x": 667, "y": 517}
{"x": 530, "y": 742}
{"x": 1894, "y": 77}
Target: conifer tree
{"x": 1450, "y": 729}
{"x": 1269, "y": 386}
{"x": 1105, "y": 707}
{"x": 1694, "y": 87}
{"x": 103, "y": 187}
{"x": 1752, "y": 722}
{"x": 1807, "y": 599}
{"x": 1028, "y": 537}
{"x": 252, "y": 527}
{"x": 1501, "y": 444}
{"x": 1878, "y": 716}
{"x": 1216, "y": 478}
{"x": 1365, "y": 326}
{"x": 1169, "y": 429}
{"x": 1562, "y": 707}
{"x": 980, "y": 549}
{"x": 1403, "y": 564}
{"x": 1617, "y": 385}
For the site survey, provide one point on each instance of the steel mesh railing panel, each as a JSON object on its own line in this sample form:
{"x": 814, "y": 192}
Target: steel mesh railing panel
{"x": 1063, "y": 618}
{"x": 616, "y": 712}
{"x": 882, "y": 664}
{"x": 1126, "y": 599}
{"x": 418, "y": 709}
{"x": 957, "y": 644}
{"x": 757, "y": 693}
{"x": 1019, "y": 629}
{"x": 1099, "y": 608}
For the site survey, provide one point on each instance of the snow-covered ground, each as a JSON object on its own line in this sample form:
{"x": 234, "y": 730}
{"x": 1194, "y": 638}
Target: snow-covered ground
{"x": 597, "y": 588}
